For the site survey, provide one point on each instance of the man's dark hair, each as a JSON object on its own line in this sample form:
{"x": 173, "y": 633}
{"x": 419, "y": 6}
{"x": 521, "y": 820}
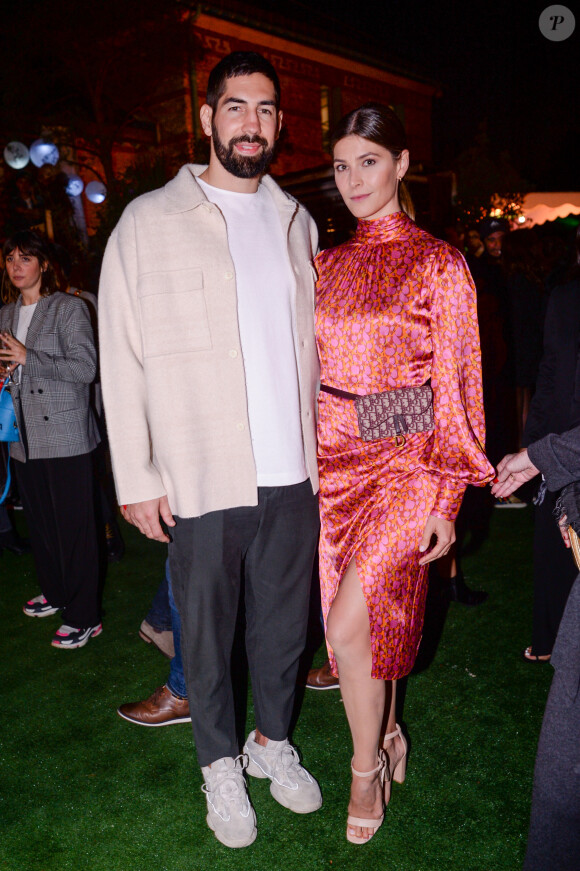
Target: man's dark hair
{"x": 239, "y": 63}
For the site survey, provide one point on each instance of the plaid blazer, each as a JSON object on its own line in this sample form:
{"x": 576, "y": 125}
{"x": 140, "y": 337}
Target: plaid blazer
{"x": 51, "y": 399}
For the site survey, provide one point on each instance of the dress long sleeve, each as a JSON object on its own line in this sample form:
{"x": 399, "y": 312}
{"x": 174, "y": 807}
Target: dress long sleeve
{"x": 458, "y": 449}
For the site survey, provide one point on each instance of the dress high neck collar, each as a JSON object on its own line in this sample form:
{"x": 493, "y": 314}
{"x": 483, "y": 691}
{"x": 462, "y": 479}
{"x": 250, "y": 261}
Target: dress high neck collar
{"x": 382, "y": 229}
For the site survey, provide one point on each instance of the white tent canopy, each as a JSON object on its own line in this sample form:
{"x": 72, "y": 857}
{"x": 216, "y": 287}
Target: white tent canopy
{"x": 541, "y": 207}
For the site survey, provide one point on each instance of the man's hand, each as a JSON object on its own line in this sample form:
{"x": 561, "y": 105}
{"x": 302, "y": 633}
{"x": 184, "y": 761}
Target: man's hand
{"x": 513, "y": 471}
{"x": 145, "y": 516}
{"x": 444, "y": 532}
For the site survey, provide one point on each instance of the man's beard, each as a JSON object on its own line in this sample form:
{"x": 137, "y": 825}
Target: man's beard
{"x": 237, "y": 164}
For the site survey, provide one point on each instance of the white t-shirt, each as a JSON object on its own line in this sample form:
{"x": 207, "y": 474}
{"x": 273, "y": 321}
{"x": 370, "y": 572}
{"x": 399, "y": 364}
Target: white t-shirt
{"x": 266, "y": 315}
{"x": 24, "y": 318}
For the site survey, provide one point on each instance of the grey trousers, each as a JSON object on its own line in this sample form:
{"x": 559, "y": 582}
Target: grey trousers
{"x": 554, "y": 836}
{"x": 554, "y": 574}
{"x": 271, "y": 547}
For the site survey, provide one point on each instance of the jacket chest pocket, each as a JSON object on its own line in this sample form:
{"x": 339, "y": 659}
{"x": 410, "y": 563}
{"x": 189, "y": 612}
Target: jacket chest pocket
{"x": 173, "y": 313}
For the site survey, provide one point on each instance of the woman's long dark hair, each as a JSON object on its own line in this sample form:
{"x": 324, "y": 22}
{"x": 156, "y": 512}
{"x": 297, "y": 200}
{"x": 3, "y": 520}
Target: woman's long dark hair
{"x": 379, "y": 124}
{"x": 30, "y": 243}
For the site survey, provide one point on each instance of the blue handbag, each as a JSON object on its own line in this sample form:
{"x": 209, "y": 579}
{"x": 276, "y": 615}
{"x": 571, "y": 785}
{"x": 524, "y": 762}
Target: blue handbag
{"x": 8, "y": 429}
{"x": 8, "y": 425}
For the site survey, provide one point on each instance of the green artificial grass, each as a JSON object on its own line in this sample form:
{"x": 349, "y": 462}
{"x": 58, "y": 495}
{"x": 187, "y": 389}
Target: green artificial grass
{"x": 82, "y": 788}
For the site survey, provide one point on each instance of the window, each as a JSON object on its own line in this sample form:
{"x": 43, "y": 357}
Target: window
{"x": 330, "y": 113}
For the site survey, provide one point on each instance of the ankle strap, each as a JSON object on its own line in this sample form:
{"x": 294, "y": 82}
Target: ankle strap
{"x": 394, "y": 734}
{"x": 380, "y": 766}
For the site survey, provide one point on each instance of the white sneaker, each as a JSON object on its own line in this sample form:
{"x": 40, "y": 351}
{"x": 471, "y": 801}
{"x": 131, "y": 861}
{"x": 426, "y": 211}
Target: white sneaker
{"x": 230, "y": 815}
{"x": 292, "y": 786}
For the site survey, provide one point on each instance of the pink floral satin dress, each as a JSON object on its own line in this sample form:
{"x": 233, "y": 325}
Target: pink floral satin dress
{"x": 395, "y": 308}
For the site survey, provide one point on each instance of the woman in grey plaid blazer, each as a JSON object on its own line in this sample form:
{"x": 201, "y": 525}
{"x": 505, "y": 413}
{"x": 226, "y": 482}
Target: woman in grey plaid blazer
{"x": 49, "y": 350}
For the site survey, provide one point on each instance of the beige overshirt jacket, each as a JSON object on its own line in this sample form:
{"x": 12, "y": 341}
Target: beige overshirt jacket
{"x": 172, "y": 370}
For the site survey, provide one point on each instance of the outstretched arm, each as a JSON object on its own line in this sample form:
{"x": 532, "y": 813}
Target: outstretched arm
{"x": 513, "y": 471}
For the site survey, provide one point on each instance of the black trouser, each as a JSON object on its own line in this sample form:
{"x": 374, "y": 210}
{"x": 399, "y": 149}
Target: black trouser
{"x": 272, "y": 545}
{"x": 554, "y": 574}
{"x": 58, "y": 500}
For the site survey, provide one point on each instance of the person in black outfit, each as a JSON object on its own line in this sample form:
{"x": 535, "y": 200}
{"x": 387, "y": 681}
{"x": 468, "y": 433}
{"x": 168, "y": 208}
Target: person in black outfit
{"x": 554, "y": 835}
{"x": 555, "y": 408}
{"x": 524, "y": 279}
{"x": 493, "y": 312}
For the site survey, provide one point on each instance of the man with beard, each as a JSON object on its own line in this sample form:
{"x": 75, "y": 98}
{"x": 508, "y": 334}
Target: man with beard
{"x": 209, "y": 374}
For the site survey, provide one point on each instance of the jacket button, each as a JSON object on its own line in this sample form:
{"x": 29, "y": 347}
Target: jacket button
{"x": 229, "y": 275}
{"x": 45, "y": 417}
{"x": 233, "y": 353}
{"x": 40, "y": 391}
{"x": 32, "y": 391}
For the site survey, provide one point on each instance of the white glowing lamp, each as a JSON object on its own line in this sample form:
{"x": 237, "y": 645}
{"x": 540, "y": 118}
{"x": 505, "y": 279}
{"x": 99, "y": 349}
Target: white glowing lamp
{"x": 96, "y": 192}
{"x": 75, "y": 186}
{"x": 521, "y": 219}
{"x": 43, "y": 151}
{"x": 16, "y": 155}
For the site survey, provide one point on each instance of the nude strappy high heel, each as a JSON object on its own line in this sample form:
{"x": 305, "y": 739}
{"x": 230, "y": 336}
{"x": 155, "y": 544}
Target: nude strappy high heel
{"x": 396, "y": 772}
{"x": 375, "y": 824}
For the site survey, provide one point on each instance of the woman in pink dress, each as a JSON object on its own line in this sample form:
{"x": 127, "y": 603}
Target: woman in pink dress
{"x": 395, "y": 309}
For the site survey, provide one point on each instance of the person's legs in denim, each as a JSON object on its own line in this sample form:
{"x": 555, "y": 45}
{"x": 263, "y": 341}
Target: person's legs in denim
{"x": 176, "y": 680}
{"x": 159, "y": 616}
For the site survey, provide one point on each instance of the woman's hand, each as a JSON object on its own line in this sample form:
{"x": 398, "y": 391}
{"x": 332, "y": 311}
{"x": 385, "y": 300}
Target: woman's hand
{"x": 444, "y": 532}
{"x": 513, "y": 471}
{"x": 12, "y": 354}
{"x": 564, "y": 532}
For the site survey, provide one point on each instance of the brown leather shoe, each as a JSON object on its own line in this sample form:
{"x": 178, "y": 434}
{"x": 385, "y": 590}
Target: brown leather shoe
{"x": 322, "y": 678}
{"x": 163, "y": 640}
{"x": 160, "y": 709}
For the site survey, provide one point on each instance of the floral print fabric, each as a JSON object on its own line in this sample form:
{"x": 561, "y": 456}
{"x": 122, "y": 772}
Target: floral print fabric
{"x": 395, "y": 308}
